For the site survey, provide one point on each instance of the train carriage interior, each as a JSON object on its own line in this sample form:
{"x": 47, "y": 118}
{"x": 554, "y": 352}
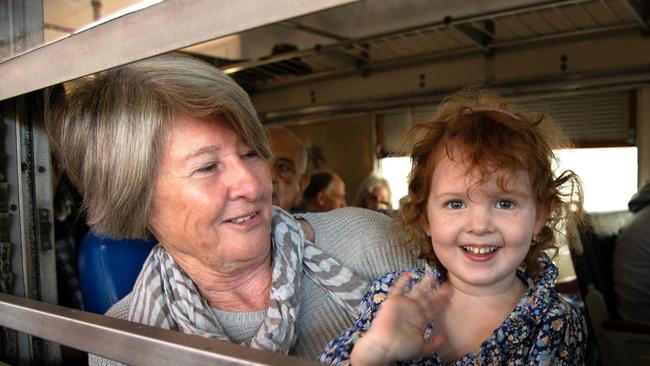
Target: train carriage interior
{"x": 348, "y": 77}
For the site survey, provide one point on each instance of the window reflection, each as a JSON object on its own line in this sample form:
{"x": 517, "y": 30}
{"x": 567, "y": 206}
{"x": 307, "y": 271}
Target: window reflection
{"x": 33, "y": 26}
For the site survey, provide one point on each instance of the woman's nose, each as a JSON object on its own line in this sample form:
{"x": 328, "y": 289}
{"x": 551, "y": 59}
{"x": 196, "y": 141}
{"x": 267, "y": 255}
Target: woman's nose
{"x": 245, "y": 180}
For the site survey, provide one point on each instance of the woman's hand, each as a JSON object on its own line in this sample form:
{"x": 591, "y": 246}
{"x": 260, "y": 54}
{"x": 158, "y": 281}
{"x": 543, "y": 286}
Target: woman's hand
{"x": 397, "y": 332}
{"x": 306, "y": 227}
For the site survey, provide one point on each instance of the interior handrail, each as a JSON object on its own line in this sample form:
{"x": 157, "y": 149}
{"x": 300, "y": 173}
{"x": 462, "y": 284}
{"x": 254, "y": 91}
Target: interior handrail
{"x": 125, "y": 341}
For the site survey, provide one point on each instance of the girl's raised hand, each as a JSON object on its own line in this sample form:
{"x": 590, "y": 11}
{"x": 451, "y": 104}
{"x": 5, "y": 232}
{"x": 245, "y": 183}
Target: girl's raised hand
{"x": 398, "y": 331}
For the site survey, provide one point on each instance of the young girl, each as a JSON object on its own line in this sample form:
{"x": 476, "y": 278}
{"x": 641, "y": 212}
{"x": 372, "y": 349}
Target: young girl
{"x": 485, "y": 206}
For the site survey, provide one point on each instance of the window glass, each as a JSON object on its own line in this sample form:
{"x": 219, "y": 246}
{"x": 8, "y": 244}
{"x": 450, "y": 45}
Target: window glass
{"x": 64, "y": 17}
{"x": 609, "y": 175}
{"x": 60, "y": 18}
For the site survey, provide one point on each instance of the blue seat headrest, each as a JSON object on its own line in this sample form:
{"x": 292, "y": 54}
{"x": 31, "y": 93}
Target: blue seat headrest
{"x": 108, "y": 269}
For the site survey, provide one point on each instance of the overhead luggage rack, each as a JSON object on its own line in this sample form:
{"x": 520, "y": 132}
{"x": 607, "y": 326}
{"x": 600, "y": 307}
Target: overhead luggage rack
{"x": 482, "y": 33}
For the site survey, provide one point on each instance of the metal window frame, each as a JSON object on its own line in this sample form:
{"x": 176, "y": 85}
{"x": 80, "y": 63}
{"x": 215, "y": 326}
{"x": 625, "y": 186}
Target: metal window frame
{"x": 125, "y": 341}
{"x": 160, "y": 28}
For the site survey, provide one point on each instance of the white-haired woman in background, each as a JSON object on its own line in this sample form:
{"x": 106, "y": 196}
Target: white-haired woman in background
{"x": 374, "y": 194}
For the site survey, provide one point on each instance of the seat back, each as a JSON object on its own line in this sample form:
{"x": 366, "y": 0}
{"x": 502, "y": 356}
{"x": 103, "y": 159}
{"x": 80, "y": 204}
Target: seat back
{"x": 108, "y": 269}
{"x": 619, "y": 342}
{"x": 594, "y": 267}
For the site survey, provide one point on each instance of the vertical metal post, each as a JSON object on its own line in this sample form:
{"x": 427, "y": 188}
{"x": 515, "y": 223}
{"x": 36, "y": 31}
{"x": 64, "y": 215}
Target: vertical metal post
{"x": 27, "y": 258}
{"x": 30, "y": 230}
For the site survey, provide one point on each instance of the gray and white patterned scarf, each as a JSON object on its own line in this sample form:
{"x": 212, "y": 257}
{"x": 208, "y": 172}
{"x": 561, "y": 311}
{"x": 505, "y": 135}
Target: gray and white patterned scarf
{"x": 164, "y": 296}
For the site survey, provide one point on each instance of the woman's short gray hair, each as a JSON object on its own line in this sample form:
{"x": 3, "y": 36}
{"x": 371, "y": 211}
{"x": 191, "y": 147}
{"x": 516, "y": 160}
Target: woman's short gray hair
{"x": 109, "y": 132}
{"x": 367, "y": 185}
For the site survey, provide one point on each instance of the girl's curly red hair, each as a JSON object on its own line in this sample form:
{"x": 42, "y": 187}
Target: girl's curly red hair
{"x": 495, "y": 139}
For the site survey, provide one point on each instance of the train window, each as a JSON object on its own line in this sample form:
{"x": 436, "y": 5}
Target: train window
{"x": 396, "y": 170}
{"x": 57, "y": 19}
{"x": 609, "y": 175}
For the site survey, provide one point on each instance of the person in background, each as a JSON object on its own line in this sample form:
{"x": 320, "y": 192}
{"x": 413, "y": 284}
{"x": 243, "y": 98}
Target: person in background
{"x": 485, "y": 206}
{"x": 374, "y": 194}
{"x": 288, "y": 165}
{"x": 325, "y": 192}
{"x": 631, "y": 263}
{"x": 172, "y": 147}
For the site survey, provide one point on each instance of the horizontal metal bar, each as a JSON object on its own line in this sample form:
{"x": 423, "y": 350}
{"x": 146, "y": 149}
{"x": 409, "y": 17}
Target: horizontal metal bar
{"x": 313, "y": 30}
{"x": 126, "y": 341}
{"x": 160, "y": 28}
{"x": 635, "y": 9}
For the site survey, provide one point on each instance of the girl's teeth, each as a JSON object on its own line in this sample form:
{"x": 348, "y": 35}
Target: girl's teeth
{"x": 482, "y": 250}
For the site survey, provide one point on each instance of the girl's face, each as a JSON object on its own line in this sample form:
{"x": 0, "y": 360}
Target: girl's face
{"x": 480, "y": 233}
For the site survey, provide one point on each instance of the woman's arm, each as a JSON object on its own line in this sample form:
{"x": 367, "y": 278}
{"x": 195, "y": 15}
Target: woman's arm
{"x": 362, "y": 240}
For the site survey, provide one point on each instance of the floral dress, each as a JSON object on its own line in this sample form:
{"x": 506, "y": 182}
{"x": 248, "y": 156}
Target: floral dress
{"x": 543, "y": 329}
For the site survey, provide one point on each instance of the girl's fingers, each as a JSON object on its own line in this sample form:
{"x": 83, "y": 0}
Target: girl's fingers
{"x": 400, "y": 285}
{"x": 424, "y": 295}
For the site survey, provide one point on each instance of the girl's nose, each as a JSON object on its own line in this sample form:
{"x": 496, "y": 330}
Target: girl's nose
{"x": 480, "y": 220}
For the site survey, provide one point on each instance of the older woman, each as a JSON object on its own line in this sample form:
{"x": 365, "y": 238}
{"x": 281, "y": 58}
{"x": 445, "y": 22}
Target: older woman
{"x": 171, "y": 147}
{"x": 374, "y": 194}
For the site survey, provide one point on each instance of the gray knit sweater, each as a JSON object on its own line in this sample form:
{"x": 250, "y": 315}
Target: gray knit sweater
{"x": 362, "y": 240}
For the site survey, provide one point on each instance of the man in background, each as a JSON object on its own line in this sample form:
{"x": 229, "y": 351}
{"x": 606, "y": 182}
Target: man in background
{"x": 288, "y": 167}
{"x": 325, "y": 192}
{"x": 631, "y": 265}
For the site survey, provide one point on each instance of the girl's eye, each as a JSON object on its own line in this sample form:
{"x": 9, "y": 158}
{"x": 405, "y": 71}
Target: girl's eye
{"x": 505, "y": 204}
{"x": 455, "y": 204}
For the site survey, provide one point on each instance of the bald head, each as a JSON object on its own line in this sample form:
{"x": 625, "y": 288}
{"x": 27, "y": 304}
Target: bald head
{"x": 288, "y": 165}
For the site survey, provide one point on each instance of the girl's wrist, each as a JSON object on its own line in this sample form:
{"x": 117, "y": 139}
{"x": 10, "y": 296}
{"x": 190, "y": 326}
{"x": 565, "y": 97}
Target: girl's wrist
{"x": 368, "y": 352}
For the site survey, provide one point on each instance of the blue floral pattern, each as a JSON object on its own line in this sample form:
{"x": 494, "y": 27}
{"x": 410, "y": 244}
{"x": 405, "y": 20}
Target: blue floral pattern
{"x": 543, "y": 328}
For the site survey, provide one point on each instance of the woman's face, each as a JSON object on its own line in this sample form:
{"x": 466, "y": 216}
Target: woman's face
{"x": 212, "y": 197}
{"x": 378, "y": 198}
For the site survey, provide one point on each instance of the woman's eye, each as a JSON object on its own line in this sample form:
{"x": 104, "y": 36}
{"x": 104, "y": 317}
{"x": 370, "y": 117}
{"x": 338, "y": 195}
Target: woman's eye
{"x": 455, "y": 205}
{"x": 250, "y": 154}
{"x": 505, "y": 204}
{"x": 207, "y": 168}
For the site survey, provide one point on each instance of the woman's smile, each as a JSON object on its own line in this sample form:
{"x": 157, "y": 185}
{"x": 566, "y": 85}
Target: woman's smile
{"x": 245, "y": 220}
